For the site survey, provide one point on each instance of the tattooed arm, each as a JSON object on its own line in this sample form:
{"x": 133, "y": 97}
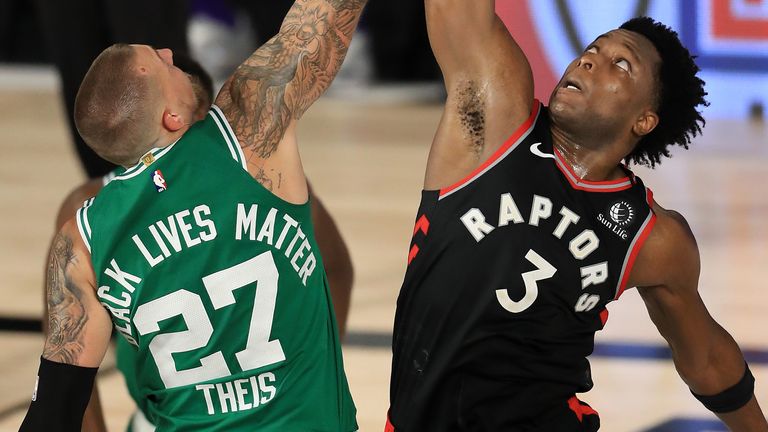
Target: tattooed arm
{"x": 277, "y": 84}
{"x": 488, "y": 81}
{"x": 78, "y": 326}
{"x": 77, "y": 337}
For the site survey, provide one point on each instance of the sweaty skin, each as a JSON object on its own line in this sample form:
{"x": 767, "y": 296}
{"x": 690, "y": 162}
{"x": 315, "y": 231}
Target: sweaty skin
{"x": 605, "y": 102}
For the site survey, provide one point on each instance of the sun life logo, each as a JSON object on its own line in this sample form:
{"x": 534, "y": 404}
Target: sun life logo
{"x": 622, "y": 213}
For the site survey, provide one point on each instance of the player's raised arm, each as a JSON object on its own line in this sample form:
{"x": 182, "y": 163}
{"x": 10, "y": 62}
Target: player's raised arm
{"x": 78, "y": 334}
{"x": 279, "y": 81}
{"x": 705, "y": 355}
{"x": 488, "y": 81}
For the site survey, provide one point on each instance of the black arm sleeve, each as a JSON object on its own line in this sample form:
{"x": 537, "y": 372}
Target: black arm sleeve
{"x": 62, "y": 392}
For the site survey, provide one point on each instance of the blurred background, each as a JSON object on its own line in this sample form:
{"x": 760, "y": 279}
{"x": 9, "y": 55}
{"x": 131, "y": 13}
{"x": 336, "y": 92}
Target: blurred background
{"x": 364, "y": 147}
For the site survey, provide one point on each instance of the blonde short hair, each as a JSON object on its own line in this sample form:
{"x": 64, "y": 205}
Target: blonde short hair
{"x": 117, "y": 107}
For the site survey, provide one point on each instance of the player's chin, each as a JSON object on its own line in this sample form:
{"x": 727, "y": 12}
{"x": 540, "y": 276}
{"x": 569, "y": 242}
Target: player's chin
{"x": 559, "y": 106}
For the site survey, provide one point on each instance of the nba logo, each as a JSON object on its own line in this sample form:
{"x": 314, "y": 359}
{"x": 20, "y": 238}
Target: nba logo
{"x": 159, "y": 181}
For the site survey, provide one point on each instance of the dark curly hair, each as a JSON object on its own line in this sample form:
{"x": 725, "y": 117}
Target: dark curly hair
{"x": 680, "y": 92}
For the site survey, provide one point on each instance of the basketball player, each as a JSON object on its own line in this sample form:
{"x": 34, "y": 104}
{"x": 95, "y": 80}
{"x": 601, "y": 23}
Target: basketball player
{"x": 202, "y": 253}
{"x": 335, "y": 254}
{"x": 530, "y": 225}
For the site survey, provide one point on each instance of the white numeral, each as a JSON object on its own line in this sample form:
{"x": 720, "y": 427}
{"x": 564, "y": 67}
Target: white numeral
{"x": 162, "y": 347}
{"x": 259, "y": 350}
{"x": 544, "y": 270}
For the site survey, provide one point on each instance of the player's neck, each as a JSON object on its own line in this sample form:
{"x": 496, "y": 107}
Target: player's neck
{"x": 598, "y": 161}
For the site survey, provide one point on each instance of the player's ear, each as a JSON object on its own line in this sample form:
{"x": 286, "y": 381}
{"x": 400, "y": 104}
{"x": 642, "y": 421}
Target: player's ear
{"x": 645, "y": 123}
{"x": 173, "y": 121}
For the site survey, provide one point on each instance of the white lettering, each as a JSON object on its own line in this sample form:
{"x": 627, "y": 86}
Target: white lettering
{"x": 299, "y": 234}
{"x": 206, "y": 388}
{"x": 299, "y": 254}
{"x": 307, "y": 268}
{"x": 153, "y": 261}
{"x": 508, "y": 211}
{"x": 125, "y": 301}
{"x": 204, "y": 223}
{"x": 268, "y": 229}
{"x": 271, "y": 390}
{"x": 226, "y": 395}
{"x": 569, "y": 217}
{"x": 122, "y": 277}
{"x": 255, "y": 388}
{"x": 474, "y": 220}
{"x": 289, "y": 223}
{"x": 185, "y": 228}
{"x": 239, "y": 395}
{"x": 246, "y": 223}
{"x": 594, "y": 274}
{"x": 159, "y": 241}
{"x": 587, "y": 302}
{"x": 584, "y": 244}
{"x": 171, "y": 234}
{"x": 241, "y": 392}
{"x": 541, "y": 209}
{"x": 118, "y": 313}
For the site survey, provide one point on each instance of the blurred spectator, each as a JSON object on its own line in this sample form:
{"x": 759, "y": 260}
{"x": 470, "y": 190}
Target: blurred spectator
{"x": 399, "y": 43}
{"x": 76, "y": 31}
{"x": 20, "y": 39}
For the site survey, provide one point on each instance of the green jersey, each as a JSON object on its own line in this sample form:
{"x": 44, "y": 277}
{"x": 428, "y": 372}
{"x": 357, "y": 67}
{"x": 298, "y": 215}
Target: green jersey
{"x": 219, "y": 286}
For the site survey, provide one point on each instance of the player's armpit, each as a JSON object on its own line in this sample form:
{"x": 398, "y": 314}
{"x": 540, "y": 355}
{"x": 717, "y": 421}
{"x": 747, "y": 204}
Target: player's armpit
{"x": 488, "y": 81}
{"x": 277, "y": 84}
{"x": 78, "y": 326}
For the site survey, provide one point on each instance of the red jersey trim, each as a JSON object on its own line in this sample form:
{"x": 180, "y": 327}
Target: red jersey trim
{"x": 637, "y": 244}
{"x": 388, "y": 426}
{"x": 580, "y": 408}
{"x": 510, "y": 144}
{"x": 590, "y": 186}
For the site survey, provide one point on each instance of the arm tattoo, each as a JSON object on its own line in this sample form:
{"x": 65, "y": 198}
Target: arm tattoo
{"x": 66, "y": 313}
{"x": 288, "y": 73}
{"x": 471, "y": 106}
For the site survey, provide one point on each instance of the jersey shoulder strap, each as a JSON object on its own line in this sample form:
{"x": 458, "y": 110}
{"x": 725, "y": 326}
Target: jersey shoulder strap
{"x": 83, "y": 224}
{"x": 233, "y": 145}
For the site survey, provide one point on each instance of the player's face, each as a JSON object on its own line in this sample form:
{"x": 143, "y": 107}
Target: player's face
{"x": 610, "y": 84}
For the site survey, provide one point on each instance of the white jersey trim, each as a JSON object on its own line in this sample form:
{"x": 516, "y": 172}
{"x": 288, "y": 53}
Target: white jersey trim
{"x": 634, "y": 247}
{"x": 229, "y": 136}
{"x": 140, "y": 167}
{"x": 83, "y": 224}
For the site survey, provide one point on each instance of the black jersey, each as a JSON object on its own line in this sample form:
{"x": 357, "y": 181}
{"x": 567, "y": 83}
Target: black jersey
{"x": 509, "y": 274}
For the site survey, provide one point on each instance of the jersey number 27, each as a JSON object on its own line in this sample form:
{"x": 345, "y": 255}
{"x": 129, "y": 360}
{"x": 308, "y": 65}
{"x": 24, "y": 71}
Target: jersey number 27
{"x": 259, "y": 350}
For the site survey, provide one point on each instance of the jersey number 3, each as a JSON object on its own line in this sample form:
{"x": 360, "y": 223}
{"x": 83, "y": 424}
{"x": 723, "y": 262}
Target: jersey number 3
{"x": 544, "y": 270}
{"x": 259, "y": 350}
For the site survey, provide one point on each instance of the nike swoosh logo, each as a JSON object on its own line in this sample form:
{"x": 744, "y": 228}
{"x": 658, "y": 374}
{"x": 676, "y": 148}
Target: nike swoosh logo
{"x": 535, "y": 150}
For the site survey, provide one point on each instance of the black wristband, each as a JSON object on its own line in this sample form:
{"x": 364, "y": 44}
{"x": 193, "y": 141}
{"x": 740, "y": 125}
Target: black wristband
{"x": 731, "y": 398}
{"x": 62, "y": 392}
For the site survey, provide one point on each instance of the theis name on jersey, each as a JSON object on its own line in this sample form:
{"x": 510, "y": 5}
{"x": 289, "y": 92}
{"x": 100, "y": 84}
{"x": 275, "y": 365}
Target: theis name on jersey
{"x": 187, "y": 229}
{"x": 581, "y": 244}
